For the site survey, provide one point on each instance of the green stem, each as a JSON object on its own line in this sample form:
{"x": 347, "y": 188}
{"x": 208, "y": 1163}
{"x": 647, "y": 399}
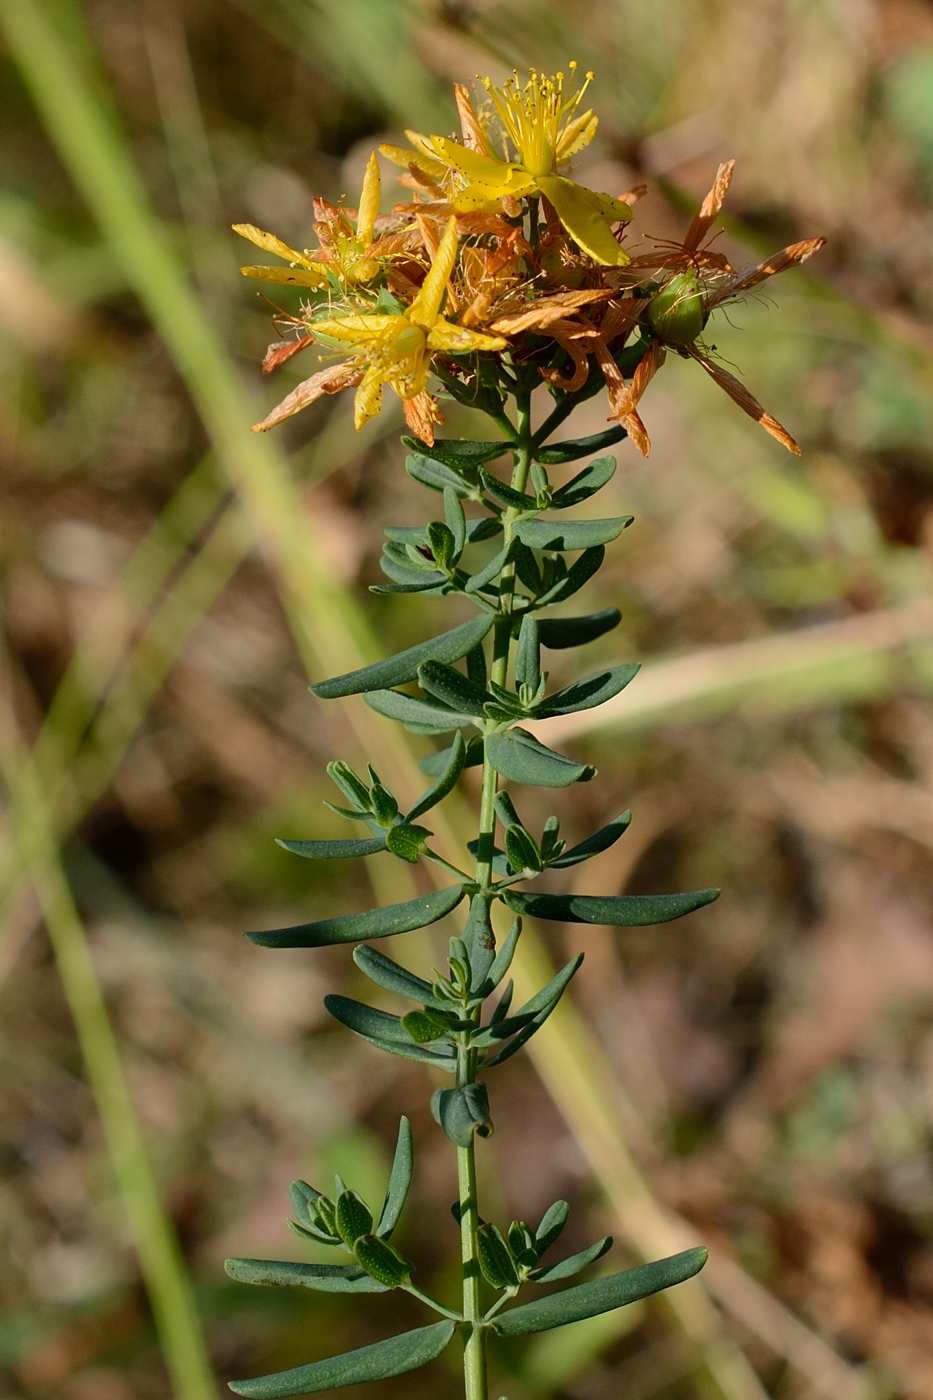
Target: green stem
{"x": 474, "y": 1356}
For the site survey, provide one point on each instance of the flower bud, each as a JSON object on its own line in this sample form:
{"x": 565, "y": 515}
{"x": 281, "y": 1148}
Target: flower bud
{"x": 677, "y": 313}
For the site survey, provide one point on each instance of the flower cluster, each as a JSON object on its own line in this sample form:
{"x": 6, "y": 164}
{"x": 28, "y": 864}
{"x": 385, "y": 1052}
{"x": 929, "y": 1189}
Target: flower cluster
{"x": 501, "y": 262}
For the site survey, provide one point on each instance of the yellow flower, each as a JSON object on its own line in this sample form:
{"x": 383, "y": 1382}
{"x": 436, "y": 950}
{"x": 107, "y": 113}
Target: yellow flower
{"x": 397, "y": 349}
{"x": 541, "y": 131}
{"x": 343, "y": 251}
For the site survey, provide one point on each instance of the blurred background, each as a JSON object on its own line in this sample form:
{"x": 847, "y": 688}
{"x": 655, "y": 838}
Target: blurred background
{"x": 759, "y": 1076}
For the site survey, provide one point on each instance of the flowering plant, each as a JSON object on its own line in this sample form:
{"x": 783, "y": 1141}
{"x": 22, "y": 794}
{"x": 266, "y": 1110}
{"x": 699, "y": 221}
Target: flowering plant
{"x": 502, "y": 275}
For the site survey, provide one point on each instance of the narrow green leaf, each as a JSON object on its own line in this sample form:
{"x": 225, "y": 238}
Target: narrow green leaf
{"x": 503, "y": 959}
{"x": 585, "y": 484}
{"x": 424, "y": 1027}
{"x": 495, "y": 1258}
{"x": 435, "y": 763}
{"x": 593, "y": 845}
{"x": 380, "y": 1260}
{"x": 462, "y": 1112}
{"x": 376, "y": 1362}
{"x": 558, "y": 633}
{"x": 452, "y": 688}
{"x": 446, "y": 779}
{"x": 602, "y": 1295}
{"x": 491, "y": 571}
{"x": 420, "y": 716}
{"x": 374, "y": 923}
{"x": 334, "y": 850}
{"x": 588, "y": 693}
{"x": 620, "y": 910}
{"x": 528, "y": 654}
{"x": 505, "y": 494}
{"x": 479, "y": 940}
{"x": 385, "y": 1031}
{"x": 407, "y": 841}
{"x": 428, "y": 587}
{"x": 458, "y": 453}
{"x": 540, "y": 1005}
{"x": 386, "y": 973}
{"x": 456, "y": 520}
{"x": 552, "y": 1224}
{"x": 403, "y": 667}
{"x": 438, "y": 477}
{"x": 566, "y": 585}
{"x": 566, "y": 1268}
{"x": 399, "y": 1181}
{"x": 442, "y": 544}
{"x": 522, "y": 850}
{"x": 323, "y": 1278}
{"x": 354, "y": 1218}
{"x": 517, "y": 755}
{"x": 575, "y": 448}
{"x": 570, "y": 534}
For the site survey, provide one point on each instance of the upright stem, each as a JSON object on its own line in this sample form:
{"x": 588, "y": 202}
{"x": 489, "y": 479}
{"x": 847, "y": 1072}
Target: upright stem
{"x": 474, "y": 1356}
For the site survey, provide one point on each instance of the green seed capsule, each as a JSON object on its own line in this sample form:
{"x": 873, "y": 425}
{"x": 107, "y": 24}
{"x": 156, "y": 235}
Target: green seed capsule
{"x": 677, "y": 312}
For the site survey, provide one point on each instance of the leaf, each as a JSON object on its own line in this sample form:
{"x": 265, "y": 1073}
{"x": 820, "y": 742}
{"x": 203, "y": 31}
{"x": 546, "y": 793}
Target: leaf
{"x": 583, "y": 570}
{"x": 491, "y": 570}
{"x": 528, "y": 654}
{"x": 403, "y": 667}
{"x": 354, "y": 1218}
{"x": 506, "y": 495}
{"x": 323, "y": 1278}
{"x": 570, "y": 534}
{"x": 334, "y": 850}
{"x": 539, "y": 1006}
{"x": 438, "y": 477}
{"x": 495, "y": 1258}
{"x": 585, "y": 484}
{"x": 602, "y": 1295}
{"x": 588, "y": 693}
{"x": 376, "y": 1362}
{"x": 551, "y": 1227}
{"x": 479, "y": 940}
{"x": 426, "y": 1026}
{"x": 454, "y": 452}
{"x": 456, "y": 520}
{"x": 407, "y": 841}
{"x": 446, "y": 779}
{"x": 573, "y": 448}
{"x": 561, "y": 632}
{"x": 436, "y": 762}
{"x": 503, "y": 959}
{"x": 600, "y": 841}
{"x": 462, "y": 1112}
{"x": 383, "y": 1030}
{"x": 620, "y": 910}
{"x": 566, "y": 1268}
{"x": 420, "y": 716}
{"x": 452, "y": 688}
{"x": 399, "y": 1181}
{"x": 522, "y": 850}
{"x": 386, "y": 973}
{"x": 382, "y": 1261}
{"x": 374, "y": 923}
{"x": 517, "y": 755}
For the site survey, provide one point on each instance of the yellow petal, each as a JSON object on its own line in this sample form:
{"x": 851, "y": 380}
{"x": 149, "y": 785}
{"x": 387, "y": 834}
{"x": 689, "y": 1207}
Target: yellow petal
{"x": 586, "y": 215}
{"x": 426, "y": 306}
{"x": 367, "y": 401}
{"x": 457, "y": 340}
{"x": 359, "y": 329}
{"x": 403, "y": 155}
{"x": 488, "y": 198}
{"x": 473, "y": 165}
{"x": 369, "y": 201}
{"x": 270, "y": 244}
{"x": 294, "y": 276}
{"x": 576, "y": 135}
